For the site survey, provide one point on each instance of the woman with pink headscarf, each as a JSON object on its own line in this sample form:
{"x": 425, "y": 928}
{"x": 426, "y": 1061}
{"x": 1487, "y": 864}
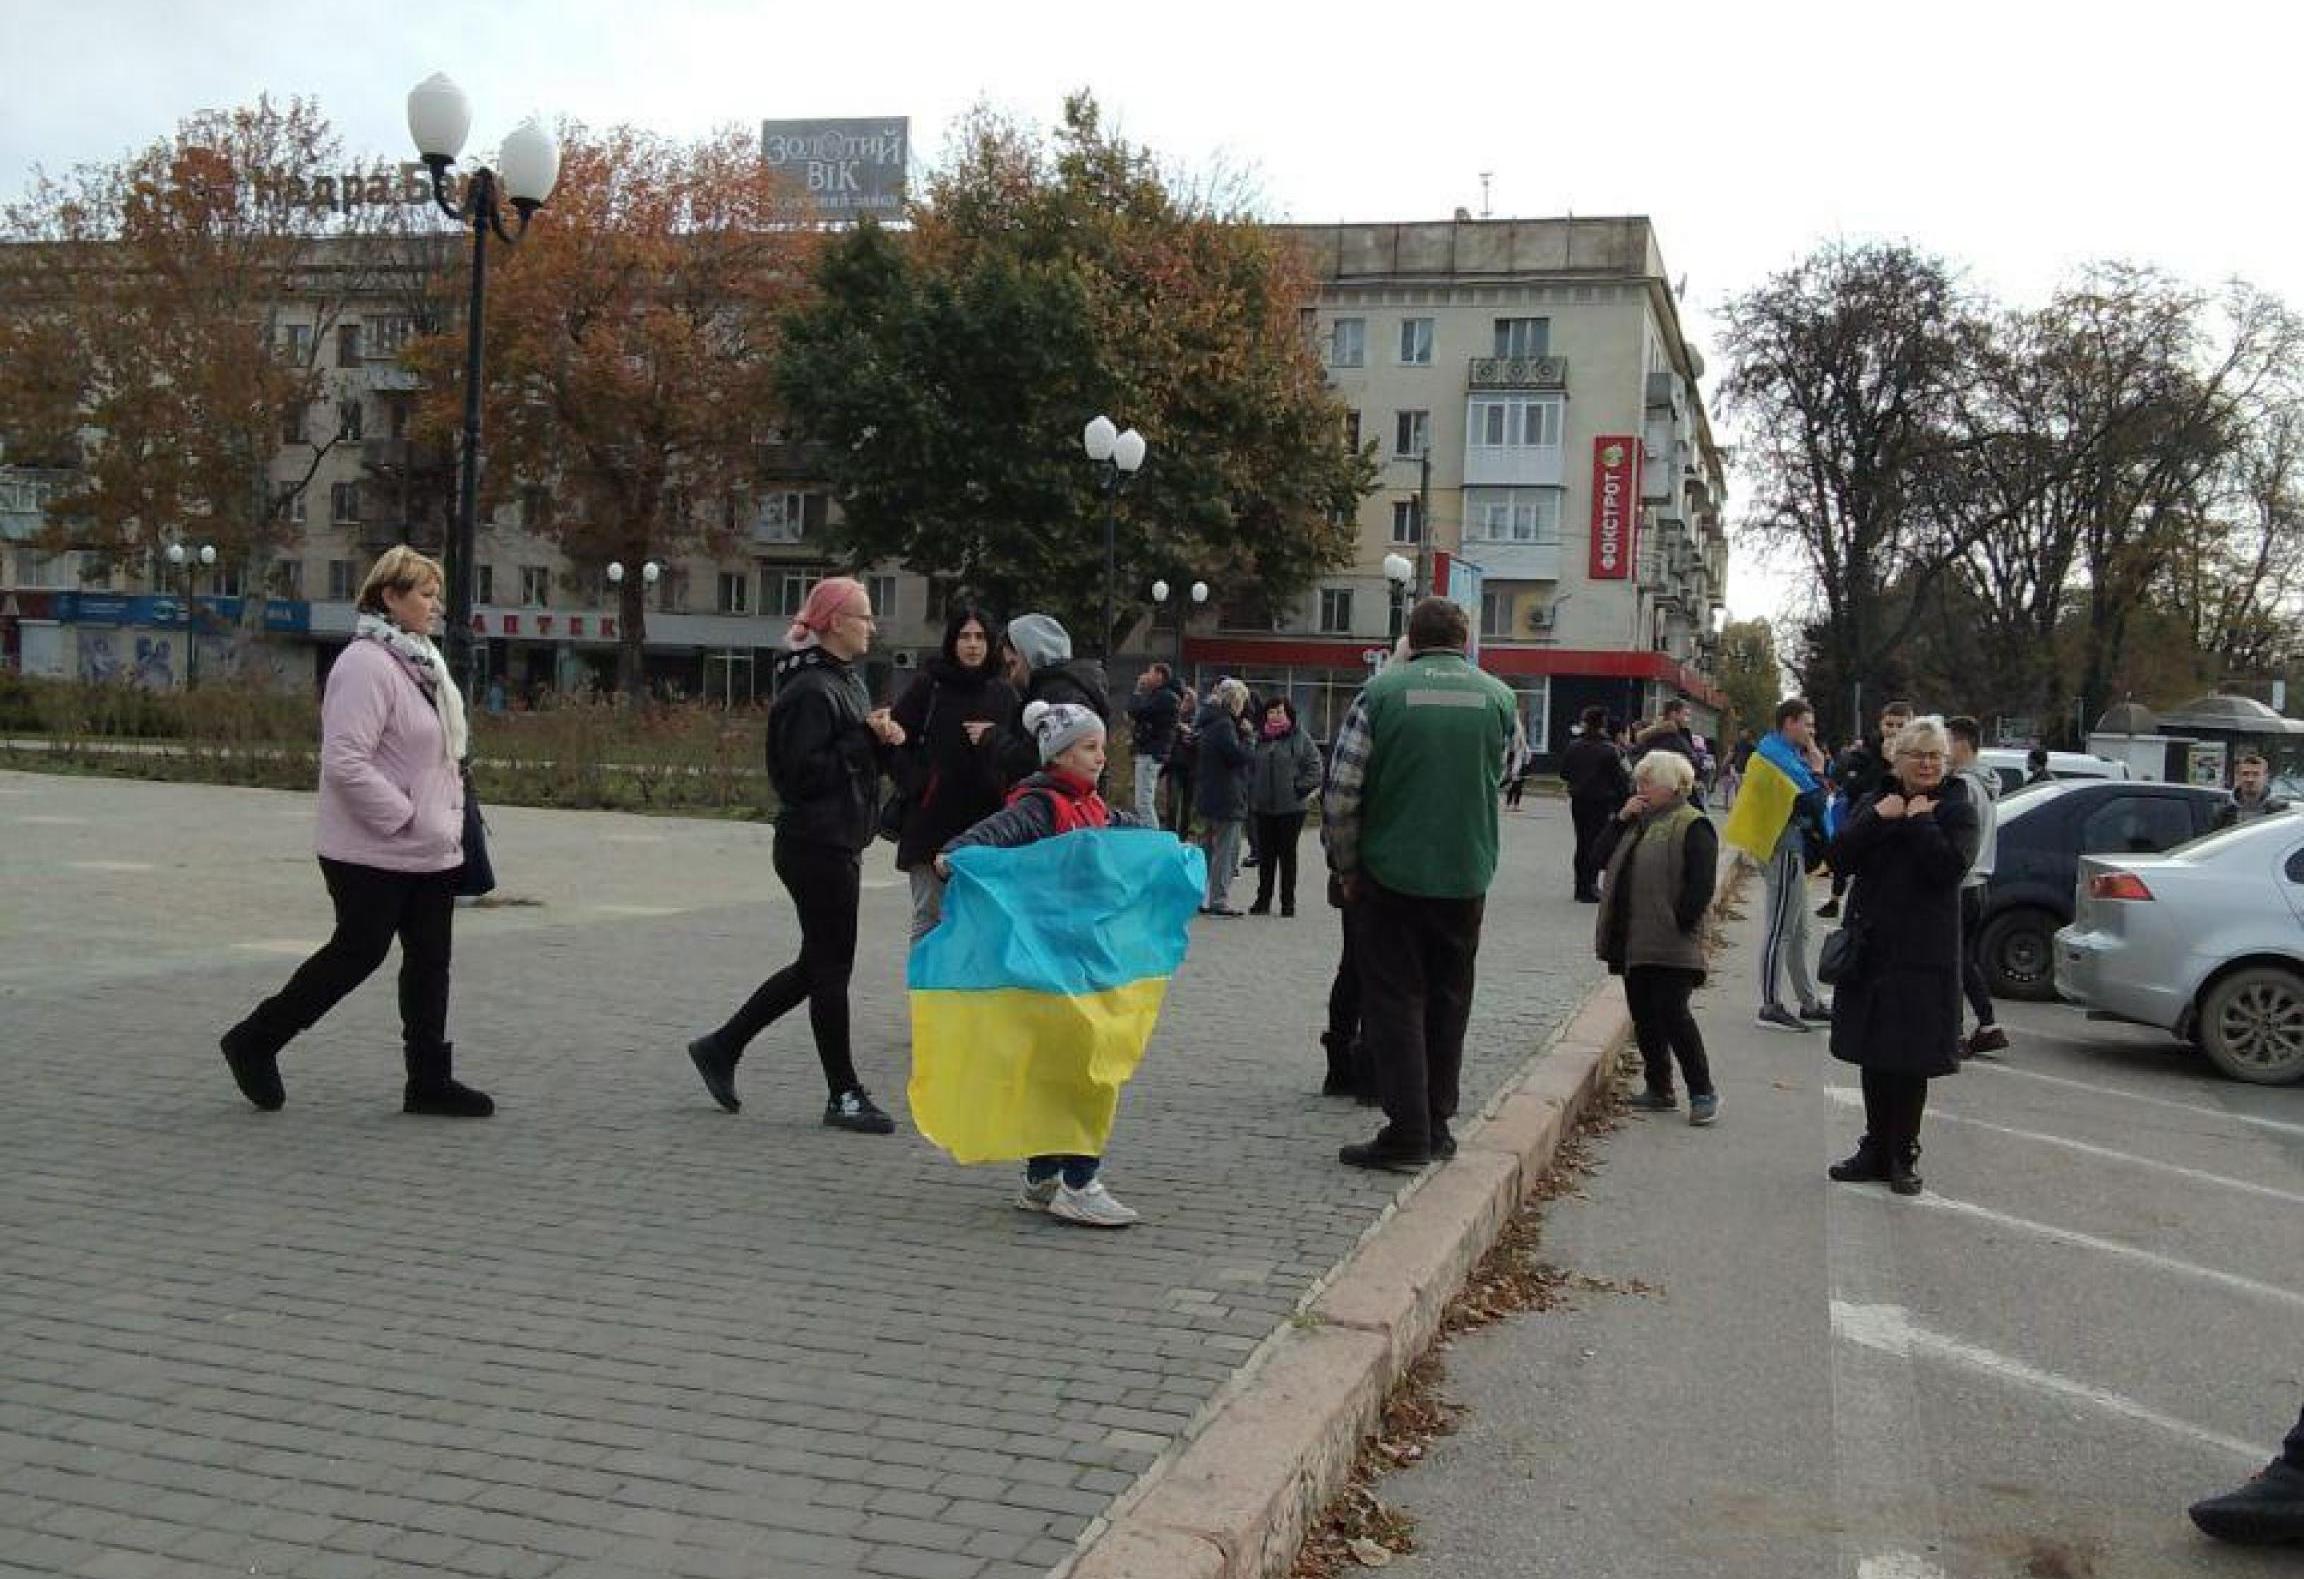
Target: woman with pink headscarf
{"x": 827, "y": 748}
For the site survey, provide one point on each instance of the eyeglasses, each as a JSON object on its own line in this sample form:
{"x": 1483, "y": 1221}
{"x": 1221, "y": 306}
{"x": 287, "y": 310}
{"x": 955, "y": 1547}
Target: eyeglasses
{"x": 859, "y": 614}
{"x": 1919, "y": 756}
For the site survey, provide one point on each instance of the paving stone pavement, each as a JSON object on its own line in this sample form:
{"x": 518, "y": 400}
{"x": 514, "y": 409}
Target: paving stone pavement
{"x": 613, "y": 1331}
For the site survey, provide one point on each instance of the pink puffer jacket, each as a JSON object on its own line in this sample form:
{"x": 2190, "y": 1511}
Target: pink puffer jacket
{"x": 389, "y": 797}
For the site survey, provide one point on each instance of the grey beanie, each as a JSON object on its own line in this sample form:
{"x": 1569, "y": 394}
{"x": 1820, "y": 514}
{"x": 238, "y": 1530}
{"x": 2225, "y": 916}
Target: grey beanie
{"x": 1039, "y": 640}
{"x": 1059, "y": 726}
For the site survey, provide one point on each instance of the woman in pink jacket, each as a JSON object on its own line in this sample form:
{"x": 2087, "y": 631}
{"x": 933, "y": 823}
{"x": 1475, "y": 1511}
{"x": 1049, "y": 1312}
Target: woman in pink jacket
{"x": 391, "y": 839}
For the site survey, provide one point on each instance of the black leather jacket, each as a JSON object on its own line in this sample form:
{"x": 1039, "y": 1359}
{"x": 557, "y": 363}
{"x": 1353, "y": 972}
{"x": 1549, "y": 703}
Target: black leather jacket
{"x": 822, "y": 757}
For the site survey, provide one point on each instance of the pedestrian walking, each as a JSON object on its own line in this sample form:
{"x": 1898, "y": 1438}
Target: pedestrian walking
{"x": 2267, "y": 1510}
{"x": 1662, "y": 858}
{"x": 1858, "y": 773}
{"x": 1178, "y": 771}
{"x": 1516, "y": 766}
{"x": 1897, "y": 1015}
{"x": 1779, "y": 822}
{"x": 1984, "y": 794}
{"x": 1221, "y": 796}
{"x": 1410, "y": 818}
{"x": 826, "y": 750}
{"x": 957, "y": 717}
{"x": 1281, "y": 781}
{"x": 1060, "y": 799}
{"x": 1152, "y": 712}
{"x": 1598, "y": 783}
{"x": 390, "y": 838}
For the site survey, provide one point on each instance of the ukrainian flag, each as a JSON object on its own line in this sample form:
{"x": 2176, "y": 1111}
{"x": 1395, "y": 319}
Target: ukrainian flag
{"x": 1774, "y": 780}
{"x": 1033, "y": 999}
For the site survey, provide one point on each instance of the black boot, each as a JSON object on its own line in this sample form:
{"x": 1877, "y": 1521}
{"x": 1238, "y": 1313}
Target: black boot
{"x": 432, "y": 1087}
{"x": 1867, "y": 1165}
{"x": 255, "y": 1069}
{"x": 1903, "y": 1170}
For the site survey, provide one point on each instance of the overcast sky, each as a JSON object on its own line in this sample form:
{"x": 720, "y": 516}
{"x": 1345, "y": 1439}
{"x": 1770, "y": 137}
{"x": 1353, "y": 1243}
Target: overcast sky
{"x": 2020, "y": 138}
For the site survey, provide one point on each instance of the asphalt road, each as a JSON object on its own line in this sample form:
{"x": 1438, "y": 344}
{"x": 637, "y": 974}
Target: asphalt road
{"x": 2094, "y": 1315}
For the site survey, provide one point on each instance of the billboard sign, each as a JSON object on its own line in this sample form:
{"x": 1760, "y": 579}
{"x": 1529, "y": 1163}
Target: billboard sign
{"x": 847, "y": 168}
{"x": 1615, "y": 498}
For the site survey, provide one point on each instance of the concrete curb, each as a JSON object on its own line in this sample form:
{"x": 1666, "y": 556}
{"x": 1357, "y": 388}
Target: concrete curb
{"x": 1235, "y": 1502}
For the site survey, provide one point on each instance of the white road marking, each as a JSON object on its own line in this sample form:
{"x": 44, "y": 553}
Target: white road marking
{"x": 1889, "y": 1329}
{"x": 2110, "y": 1247}
{"x": 2279, "y": 1126}
{"x": 1849, "y": 1096}
{"x": 111, "y": 866}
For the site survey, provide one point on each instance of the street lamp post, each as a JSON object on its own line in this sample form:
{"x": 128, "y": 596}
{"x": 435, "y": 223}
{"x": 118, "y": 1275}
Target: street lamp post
{"x": 1120, "y": 454}
{"x": 191, "y": 561}
{"x": 1199, "y": 596}
{"x": 440, "y": 119}
{"x": 650, "y": 573}
{"x": 1397, "y": 571}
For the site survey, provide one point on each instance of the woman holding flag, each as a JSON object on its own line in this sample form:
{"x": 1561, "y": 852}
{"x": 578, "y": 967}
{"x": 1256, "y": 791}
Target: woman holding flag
{"x": 1779, "y": 818}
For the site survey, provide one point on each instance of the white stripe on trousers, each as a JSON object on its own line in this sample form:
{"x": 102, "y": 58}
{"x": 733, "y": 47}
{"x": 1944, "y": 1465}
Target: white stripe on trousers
{"x": 1787, "y": 940}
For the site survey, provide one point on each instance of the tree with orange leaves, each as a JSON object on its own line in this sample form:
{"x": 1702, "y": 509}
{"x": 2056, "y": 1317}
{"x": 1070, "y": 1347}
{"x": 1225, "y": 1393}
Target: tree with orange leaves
{"x": 629, "y": 345}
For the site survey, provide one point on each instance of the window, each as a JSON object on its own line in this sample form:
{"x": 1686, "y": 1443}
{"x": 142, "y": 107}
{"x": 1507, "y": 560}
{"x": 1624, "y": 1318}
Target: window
{"x": 228, "y": 581}
{"x": 348, "y": 421}
{"x": 1412, "y": 433}
{"x": 287, "y": 579}
{"x": 1534, "y": 694}
{"x": 1415, "y": 342}
{"x": 536, "y": 586}
{"x": 293, "y": 506}
{"x": 791, "y": 589}
{"x": 535, "y": 507}
{"x": 347, "y": 345}
{"x": 1515, "y": 422}
{"x": 1514, "y": 515}
{"x": 1523, "y": 337}
{"x": 296, "y": 344}
{"x": 1405, "y": 527}
{"x": 1335, "y": 611}
{"x": 882, "y": 590}
{"x": 2135, "y": 825}
{"x": 386, "y": 336}
{"x": 1495, "y": 614}
{"x": 1352, "y": 431}
{"x": 785, "y": 517}
{"x": 343, "y": 580}
{"x": 735, "y": 592}
{"x": 344, "y": 501}
{"x": 484, "y": 584}
{"x": 293, "y": 423}
{"x": 1348, "y": 343}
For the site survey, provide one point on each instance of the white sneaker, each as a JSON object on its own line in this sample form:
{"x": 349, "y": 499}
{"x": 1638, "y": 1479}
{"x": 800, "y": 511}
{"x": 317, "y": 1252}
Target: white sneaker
{"x": 1037, "y": 1193}
{"x": 1095, "y": 1207}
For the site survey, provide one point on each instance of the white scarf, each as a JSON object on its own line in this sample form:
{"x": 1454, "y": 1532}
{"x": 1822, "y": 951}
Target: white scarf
{"x": 431, "y": 673}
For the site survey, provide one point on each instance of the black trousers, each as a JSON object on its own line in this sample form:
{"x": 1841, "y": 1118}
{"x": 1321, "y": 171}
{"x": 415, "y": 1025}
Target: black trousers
{"x": 1972, "y": 982}
{"x": 1415, "y": 959}
{"x": 1591, "y": 817}
{"x": 1658, "y": 996}
{"x": 1514, "y": 788}
{"x": 2293, "y": 1449}
{"x": 1276, "y": 838}
{"x": 1180, "y": 801}
{"x": 826, "y": 884}
{"x": 373, "y": 906}
{"x": 1893, "y": 1104}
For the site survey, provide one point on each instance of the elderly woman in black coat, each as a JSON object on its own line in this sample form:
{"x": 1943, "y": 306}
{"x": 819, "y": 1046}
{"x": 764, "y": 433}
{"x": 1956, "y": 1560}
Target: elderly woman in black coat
{"x": 1897, "y": 1017}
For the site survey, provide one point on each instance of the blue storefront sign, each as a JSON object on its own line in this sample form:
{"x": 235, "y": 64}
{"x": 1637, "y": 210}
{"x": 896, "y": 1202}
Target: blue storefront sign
{"x": 159, "y": 611}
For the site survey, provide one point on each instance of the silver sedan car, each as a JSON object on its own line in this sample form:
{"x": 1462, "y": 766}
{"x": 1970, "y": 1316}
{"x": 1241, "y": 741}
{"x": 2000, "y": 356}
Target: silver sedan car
{"x": 2205, "y": 941}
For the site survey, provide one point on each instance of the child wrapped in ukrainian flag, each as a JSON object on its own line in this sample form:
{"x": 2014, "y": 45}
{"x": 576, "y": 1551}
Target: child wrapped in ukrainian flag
{"x": 1034, "y": 997}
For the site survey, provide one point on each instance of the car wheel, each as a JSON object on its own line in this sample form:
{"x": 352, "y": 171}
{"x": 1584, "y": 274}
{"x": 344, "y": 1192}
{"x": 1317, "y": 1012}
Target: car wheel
{"x": 2019, "y": 951}
{"x": 2252, "y": 1025}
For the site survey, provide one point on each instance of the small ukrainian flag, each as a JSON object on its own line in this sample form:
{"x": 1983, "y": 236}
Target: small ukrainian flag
{"x": 1033, "y": 999}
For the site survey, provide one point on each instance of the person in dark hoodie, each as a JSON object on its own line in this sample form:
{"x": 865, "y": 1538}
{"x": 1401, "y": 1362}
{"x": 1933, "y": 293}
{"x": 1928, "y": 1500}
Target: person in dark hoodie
{"x": 1598, "y": 783}
{"x": 957, "y": 718}
{"x": 826, "y": 749}
{"x": 1038, "y": 654}
{"x": 1152, "y": 714}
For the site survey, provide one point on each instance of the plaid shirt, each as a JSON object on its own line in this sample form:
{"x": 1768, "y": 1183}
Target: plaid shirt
{"x": 1341, "y": 796}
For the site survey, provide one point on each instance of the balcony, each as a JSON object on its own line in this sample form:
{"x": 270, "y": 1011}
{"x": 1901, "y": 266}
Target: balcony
{"x": 1519, "y": 372}
{"x": 1511, "y": 559}
{"x": 387, "y": 454}
{"x": 1512, "y": 466}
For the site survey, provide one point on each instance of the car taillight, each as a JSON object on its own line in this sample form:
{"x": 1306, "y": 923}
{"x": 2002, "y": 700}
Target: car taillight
{"x": 2118, "y": 885}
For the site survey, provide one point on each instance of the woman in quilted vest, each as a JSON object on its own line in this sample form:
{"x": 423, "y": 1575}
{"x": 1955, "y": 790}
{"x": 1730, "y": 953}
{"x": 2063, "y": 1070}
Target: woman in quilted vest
{"x": 1661, "y": 858}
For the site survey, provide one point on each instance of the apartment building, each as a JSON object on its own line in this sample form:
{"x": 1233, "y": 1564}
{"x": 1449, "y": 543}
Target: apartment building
{"x": 1546, "y": 460}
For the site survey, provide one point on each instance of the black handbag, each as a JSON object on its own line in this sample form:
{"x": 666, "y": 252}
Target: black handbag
{"x": 477, "y": 876}
{"x": 896, "y": 810}
{"x": 1842, "y": 958}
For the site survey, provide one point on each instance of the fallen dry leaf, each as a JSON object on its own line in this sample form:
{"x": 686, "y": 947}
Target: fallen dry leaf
{"x": 1370, "y": 1554}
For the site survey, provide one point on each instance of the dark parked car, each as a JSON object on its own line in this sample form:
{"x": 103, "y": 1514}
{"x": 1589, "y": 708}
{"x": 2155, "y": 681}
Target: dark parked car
{"x": 2044, "y": 830}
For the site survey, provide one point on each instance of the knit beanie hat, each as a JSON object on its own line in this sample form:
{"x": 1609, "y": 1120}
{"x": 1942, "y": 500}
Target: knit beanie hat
{"x": 1059, "y": 726}
{"x": 1039, "y": 640}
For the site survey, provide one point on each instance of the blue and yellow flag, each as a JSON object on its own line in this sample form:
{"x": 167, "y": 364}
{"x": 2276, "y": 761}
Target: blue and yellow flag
{"x": 1033, "y": 999}
{"x": 1774, "y": 780}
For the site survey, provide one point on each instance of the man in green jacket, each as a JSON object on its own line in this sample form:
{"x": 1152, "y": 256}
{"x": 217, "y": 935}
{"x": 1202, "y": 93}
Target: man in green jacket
{"x": 1409, "y": 818}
